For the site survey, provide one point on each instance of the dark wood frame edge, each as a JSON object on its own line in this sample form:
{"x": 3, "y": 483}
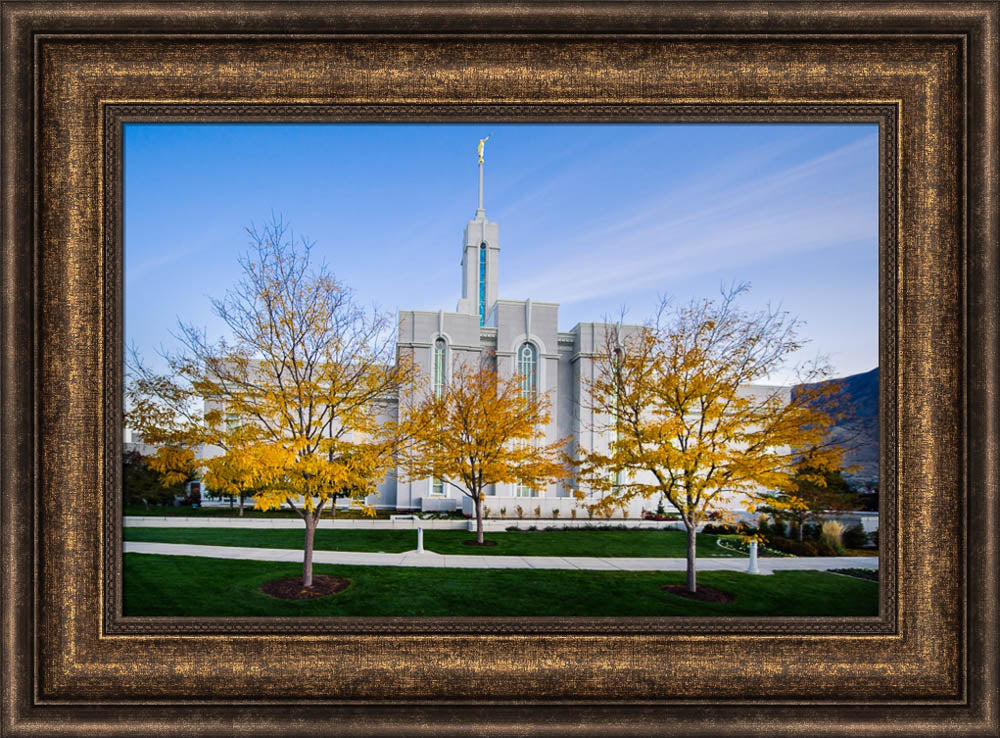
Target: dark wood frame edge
{"x": 976, "y": 715}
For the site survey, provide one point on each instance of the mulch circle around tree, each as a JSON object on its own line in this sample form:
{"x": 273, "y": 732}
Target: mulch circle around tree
{"x": 703, "y": 594}
{"x": 292, "y": 589}
{"x": 477, "y": 543}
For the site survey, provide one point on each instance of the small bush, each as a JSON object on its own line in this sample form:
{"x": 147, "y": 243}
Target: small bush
{"x": 555, "y": 513}
{"x": 520, "y": 512}
{"x": 792, "y": 546}
{"x": 832, "y": 535}
{"x": 855, "y": 537}
{"x": 486, "y": 512}
{"x": 503, "y": 512}
{"x": 719, "y": 530}
{"x": 538, "y": 511}
{"x": 811, "y": 531}
{"x": 572, "y": 513}
{"x": 590, "y": 513}
{"x": 824, "y": 549}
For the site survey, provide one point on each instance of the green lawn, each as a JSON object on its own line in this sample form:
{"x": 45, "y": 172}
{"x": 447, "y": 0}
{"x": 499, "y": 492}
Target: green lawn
{"x": 198, "y": 587}
{"x": 624, "y": 543}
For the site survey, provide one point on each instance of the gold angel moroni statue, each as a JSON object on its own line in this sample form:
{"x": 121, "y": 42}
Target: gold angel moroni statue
{"x": 482, "y": 145}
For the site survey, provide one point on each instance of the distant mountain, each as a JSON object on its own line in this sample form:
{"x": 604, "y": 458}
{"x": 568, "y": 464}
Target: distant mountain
{"x": 859, "y": 430}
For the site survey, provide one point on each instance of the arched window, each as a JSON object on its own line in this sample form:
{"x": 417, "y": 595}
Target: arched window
{"x": 440, "y": 347}
{"x": 527, "y": 367}
{"x": 482, "y": 283}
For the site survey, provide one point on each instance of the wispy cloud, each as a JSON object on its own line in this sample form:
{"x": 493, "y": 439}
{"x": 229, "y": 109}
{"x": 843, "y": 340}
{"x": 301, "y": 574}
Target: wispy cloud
{"x": 747, "y": 219}
{"x": 138, "y": 271}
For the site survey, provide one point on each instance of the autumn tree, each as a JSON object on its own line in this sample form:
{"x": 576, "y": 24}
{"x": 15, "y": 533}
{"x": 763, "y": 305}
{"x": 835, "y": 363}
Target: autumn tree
{"x": 294, "y": 397}
{"x": 673, "y": 400}
{"x": 479, "y": 429}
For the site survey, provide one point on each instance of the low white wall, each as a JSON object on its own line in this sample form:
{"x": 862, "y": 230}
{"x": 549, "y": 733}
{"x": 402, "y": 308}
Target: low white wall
{"x": 548, "y": 505}
{"x": 405, "y": 524}
{"x": 208, "y": 522}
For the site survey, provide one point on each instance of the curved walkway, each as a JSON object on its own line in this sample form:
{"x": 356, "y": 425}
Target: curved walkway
{"x": 429, "y": 559}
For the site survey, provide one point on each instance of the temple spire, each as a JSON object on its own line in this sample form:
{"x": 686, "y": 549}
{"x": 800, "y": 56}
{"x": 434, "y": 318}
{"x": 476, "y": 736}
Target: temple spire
{"x": 482, "y": 146}
{"x": 480, "y": 258}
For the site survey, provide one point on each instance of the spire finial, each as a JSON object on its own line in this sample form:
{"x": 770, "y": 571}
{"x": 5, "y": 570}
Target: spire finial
{"x": 482, "y": 146}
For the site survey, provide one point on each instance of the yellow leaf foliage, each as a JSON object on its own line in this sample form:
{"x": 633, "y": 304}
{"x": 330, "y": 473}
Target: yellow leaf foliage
{"x": 671, "y": 397}
{"x": 481, "y": 430}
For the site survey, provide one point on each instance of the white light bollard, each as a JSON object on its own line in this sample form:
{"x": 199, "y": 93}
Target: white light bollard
{"x": 420, "y": 539}
{"x": 754, "y": 569}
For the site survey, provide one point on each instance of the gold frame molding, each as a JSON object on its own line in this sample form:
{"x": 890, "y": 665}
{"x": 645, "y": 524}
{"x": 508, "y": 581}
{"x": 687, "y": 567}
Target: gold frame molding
{"x": 73, "y": 73}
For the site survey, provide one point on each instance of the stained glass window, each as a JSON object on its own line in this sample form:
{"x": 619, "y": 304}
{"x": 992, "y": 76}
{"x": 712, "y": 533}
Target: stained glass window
{"x": 482, "y": 283}
{"x": 439, "y": 354}
{"x": 527, "y": 367}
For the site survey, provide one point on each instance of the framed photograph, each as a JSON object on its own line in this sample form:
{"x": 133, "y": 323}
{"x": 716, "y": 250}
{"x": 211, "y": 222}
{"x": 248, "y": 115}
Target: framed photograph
{"x": 220, "y": 516}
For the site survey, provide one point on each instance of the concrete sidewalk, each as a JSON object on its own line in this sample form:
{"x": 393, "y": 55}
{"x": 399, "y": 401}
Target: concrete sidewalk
{"x": 429, "y": 559}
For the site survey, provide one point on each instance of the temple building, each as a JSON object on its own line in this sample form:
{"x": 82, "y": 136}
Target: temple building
{"x": 524, "y": 336}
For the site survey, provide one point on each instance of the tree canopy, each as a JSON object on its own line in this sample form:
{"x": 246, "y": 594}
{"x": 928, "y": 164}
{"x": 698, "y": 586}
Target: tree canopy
{"x": 480, "y": 430}
{"x": 295, "y": 397}
{"x": 674, "y": 400}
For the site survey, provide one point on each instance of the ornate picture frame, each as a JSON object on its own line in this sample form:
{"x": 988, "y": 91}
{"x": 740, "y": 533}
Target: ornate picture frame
{"x": 74, "y": 74}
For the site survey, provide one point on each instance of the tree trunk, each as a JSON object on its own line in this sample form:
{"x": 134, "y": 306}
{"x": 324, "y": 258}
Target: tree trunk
{"x": 479, "y": 519}
{"x": 241, "y": 505}
{"x": 692, "y": 576}
{"x": 307, "y": 562}
{"x": 802, "y": 529}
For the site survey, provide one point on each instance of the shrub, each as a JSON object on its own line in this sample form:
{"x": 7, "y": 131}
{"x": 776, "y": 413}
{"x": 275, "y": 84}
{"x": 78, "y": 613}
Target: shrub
{"x": 486, "y": 512}
{"x": 811, "y": 530}
{"x": 831, "y": 534}
{"x": 538, "y": 511}
{"x": 503, "y": 512}
{"x": 824, "y": 549}
{"x": 719, "y": 530}
{"x": 779, "y": 527}
{"x": 555, "y": 513}
{"x": 789, "y": 545}
{"x": 873, "y": 539}
{"x": 572, "y": 513}
{"x": 590, "y": 513}
{"x": 520, "y": 512}
{"x": 855, "y": 537}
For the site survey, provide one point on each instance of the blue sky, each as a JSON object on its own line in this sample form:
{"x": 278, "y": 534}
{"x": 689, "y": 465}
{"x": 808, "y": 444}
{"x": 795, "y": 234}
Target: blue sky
{"x": 594, "y": 217}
